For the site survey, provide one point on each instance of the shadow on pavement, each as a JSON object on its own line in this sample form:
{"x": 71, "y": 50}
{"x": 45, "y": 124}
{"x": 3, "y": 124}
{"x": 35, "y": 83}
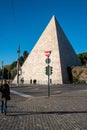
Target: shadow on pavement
{"x": 22, "y": 113}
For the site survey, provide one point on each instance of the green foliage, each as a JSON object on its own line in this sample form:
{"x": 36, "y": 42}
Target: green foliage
{"x": 83, "y": 58}
{"x": 23, "y": 58}
{"x": 76, "y": 78}
{"x": 25, "y": 55}
{"x": 79, "y": 74}
{"x": 10, "y": 71}
{"x": 13, "y": 65}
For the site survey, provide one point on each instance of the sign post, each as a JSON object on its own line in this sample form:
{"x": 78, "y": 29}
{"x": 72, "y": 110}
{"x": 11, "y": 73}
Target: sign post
{"x": 48, "y": 69}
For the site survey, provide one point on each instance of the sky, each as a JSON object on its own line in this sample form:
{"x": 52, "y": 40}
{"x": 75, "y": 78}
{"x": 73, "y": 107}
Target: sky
{"x": 23, "y": 21}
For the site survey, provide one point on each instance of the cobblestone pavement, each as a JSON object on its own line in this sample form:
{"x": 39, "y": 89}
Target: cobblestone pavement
{"x": 65, "y": 111}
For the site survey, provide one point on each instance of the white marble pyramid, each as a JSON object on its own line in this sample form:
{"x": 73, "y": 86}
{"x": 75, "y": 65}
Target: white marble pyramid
{"x": 62, "y": 56}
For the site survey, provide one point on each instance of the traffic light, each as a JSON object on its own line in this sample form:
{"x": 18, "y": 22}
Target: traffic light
{"x": 49, "y": 70}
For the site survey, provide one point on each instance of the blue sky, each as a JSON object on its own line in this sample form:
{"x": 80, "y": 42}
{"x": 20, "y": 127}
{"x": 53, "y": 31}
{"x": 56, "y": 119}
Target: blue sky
{"x": 23, "y": 21}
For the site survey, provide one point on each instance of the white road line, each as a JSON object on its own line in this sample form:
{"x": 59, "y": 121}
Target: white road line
{"x": 20, "y": 94}
{"x": 57, "y": 91}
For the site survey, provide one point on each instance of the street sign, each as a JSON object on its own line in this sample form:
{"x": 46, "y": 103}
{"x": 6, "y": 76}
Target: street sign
{"x": 47, "y": 53}
{"x": 48, "y": 60}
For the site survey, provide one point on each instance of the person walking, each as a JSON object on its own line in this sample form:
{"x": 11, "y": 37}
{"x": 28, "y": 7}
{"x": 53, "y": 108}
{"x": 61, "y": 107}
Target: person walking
{"x": 5, "y": 96}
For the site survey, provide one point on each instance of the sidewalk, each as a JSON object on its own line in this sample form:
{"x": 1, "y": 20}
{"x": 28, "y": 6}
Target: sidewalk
{"x": 66, "y": 111}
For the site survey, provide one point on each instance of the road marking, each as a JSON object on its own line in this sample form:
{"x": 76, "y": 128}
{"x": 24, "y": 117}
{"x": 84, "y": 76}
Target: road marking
{"x": 57, "y": 91}
{"x": 20, "y": 94}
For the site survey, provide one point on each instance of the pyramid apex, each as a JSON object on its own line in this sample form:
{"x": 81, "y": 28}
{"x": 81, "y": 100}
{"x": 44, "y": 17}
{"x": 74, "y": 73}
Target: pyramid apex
{"x": 53, "y": 16}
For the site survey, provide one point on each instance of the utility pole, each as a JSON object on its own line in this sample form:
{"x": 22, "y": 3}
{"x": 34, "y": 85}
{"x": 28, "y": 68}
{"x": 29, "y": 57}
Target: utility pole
{"x": 18, "y": 65}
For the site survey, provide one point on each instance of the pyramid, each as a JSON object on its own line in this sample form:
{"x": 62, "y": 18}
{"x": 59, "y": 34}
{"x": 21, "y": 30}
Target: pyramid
{"x": 62, "y": 56}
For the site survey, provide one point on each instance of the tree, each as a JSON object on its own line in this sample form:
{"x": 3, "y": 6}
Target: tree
{"x": 83, "y": 58}
{"x": 25, "y": 55}
{"x": 13, "y": 65}
{"x": 10, "y": 71}
{"x": 21, "y": 60}
{"x": 5, "y": 73}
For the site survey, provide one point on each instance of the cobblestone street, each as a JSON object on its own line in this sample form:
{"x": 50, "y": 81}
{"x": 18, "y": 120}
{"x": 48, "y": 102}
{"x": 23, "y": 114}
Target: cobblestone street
{"x": 65, "y": 111}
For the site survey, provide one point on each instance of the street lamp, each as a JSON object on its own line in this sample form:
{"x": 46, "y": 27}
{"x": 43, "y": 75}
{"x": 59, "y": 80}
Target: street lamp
{"x": 18, "y": 51}
{"x": 2, "y": 69}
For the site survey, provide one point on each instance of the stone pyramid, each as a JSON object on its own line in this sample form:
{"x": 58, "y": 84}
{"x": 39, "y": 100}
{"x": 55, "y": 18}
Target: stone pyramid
{"x": 62, "y": 56}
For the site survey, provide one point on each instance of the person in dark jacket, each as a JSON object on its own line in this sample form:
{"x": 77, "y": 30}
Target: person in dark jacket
{"x": 5, "y": 94}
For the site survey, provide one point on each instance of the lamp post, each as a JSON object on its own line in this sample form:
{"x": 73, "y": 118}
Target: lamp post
{"x": 2, "y": 69}
{"x": 18, "y": 51}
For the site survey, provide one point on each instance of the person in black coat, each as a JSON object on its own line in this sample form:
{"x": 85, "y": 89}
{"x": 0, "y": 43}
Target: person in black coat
{"x": 5, "y": 95}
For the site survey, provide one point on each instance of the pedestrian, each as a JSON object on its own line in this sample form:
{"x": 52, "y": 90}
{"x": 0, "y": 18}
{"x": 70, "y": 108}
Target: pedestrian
{"x": 5, "y": 96}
